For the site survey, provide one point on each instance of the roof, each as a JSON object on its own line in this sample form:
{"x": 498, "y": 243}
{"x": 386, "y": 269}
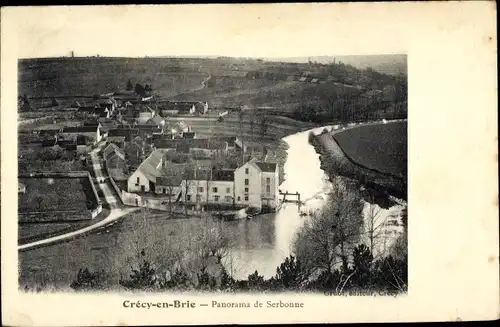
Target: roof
{"x": 267, "y": 167}
{"x": 223, "y": 175}
{"x": 157, "y": 120}
{"x": 172, "y": 175}
{"x": 86, "y": 109}
{"x": 116, "y": 138}
{"x": 110, "y": 148}
{"x": 126, "y": 132}
{"x": 149, "y": 166}
{"x": 189, "y": 135}
{"x": 80, "y": 129}
{"x": 213, "y": 143}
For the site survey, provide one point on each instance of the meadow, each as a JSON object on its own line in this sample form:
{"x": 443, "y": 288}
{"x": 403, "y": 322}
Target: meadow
{"x": 379, "y": 147}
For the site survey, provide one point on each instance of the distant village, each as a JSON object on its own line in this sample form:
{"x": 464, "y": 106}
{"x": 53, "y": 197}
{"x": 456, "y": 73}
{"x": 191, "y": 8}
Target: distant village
{"x": 153, "y": 161}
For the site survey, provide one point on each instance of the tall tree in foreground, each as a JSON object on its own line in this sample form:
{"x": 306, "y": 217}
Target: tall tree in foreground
{"x": 326, "y": 239}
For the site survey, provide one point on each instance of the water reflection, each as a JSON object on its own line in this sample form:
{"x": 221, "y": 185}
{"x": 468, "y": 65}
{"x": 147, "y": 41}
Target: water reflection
{"x": 261, "y": 243}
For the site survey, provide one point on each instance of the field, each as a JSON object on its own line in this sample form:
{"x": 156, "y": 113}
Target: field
{"x": 379, "y": 147}
{"x": 56, "y": 194}
{"x": 73, "y": 77}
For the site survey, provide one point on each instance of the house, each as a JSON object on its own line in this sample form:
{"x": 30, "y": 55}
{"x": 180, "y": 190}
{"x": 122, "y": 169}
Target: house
{"x": 92, "y": 133}
{"x": 303, "y": 79}
{"x": 170, "y": 180}
{"x": 184, "y": 108}
{"x": 256, "y": 184}
{"x": 157, "y": 121}
{"x": 269, "y": 184}
{"x": 211, "y": 186}
{"x": 314, "y": 81}
{"x": 109, "y": 104}
{"x": 135, "y": 151}
{"x": 209, "y": 146}
{"x": 128, "y": 133}
{"x": 119, "y": 141}
{"x": 144, "y": 177}
{"x": 144, "y": 117}
{"x": 189, "y": 135}
{"x": 102, "y": 112}
{"x": 115, "y": 162}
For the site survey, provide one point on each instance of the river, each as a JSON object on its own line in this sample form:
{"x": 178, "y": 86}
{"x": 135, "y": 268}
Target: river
{"x": 259, "y": 244}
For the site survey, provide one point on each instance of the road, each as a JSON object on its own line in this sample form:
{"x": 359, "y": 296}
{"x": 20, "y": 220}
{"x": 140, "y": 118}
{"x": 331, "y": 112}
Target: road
{"x": 116, "y": 209}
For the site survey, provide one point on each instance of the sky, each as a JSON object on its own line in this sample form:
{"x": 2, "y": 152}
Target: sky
{"x": 256, "y": 30}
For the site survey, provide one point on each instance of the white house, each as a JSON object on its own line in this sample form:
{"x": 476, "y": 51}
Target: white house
{"x": 144, "y": 178}
{"x": 254, "y": 184}
{"x": 248, "y": 184}
{"x": 216, "y": 187}
{"x": 269, "y": 184}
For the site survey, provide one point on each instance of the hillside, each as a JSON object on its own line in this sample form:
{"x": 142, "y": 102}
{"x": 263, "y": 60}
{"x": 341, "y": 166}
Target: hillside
{"x": 222, "y": 82}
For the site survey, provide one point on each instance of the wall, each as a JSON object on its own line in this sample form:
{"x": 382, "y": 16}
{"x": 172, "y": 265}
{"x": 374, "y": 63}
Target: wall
{"x": 55, "y": 216}
{"x": 254, "y": 177}
{"x": 270, "y": 198}
{"x": 143, "y": 181}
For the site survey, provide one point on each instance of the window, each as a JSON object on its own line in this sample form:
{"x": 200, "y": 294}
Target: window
{"x": 246, "y": 171}
{"x": 246, "y": 189}
{"x": 246, "y": 181}
{"x": 228, "y": 190}
{"x": 228, "y": 198}
{"x": 164, "y": 190}
{"x": 239, "y": 198}
{"x": 198, "y": 198}
{"x": 138, "y": 180}
{"x": 200, "y": 189}
{"x": 268, "y": 180}
{"x": 216, "y": 198}
{"x": 246, "y": 197}
{"x": 214, "y": 189}
{"x": 268, "y": 189}
{"x": 188, "y": 198}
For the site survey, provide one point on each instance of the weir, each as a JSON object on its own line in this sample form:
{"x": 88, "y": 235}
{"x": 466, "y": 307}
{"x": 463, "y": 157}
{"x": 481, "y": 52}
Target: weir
{"x": 289, "y": 194}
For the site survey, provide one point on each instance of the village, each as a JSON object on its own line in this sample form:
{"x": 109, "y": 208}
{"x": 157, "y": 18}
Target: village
{"x": 151, "y": 158}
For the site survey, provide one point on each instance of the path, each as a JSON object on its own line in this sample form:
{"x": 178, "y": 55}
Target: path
{"x": 116, "y": 210}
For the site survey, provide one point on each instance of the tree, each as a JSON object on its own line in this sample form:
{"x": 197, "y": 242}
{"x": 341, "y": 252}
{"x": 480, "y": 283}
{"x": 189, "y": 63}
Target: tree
{"x": 143, "y": 278}
{"x": 362, "y": 258}
{"x": 129, "y": 87}
{"x": 139, "y": 90}
{"x": 392, "y": 274}
{"x": 189, "y": 174}
{"x": 374, "y": 224}
{"x": 323, "y": 242}
{"x": 255, "y": 281}
{"x": 86, "y": 281}
{"x": 289, "y": 274}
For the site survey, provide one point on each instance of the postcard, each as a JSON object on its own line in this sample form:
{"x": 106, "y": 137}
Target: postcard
{"x": 249, "y": 163}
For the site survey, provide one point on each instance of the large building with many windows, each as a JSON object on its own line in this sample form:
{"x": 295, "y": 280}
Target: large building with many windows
{"x": 253, "y": 184}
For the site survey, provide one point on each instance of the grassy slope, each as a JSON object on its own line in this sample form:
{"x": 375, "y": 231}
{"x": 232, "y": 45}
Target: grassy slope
{"x": 85, "y": 76}
{"x": 380, "y": 147}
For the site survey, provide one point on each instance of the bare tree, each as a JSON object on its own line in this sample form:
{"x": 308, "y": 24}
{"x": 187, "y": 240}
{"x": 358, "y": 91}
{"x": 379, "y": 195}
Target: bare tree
{"x": 326, "y": 239}
{"x": 374, "y": 225}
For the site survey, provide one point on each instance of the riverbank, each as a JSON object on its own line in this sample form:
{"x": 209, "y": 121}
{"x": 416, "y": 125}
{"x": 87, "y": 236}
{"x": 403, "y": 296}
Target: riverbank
{"x": 334, "y": 161}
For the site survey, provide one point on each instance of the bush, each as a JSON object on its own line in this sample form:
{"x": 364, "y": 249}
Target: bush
{"x": 85, "y": 280}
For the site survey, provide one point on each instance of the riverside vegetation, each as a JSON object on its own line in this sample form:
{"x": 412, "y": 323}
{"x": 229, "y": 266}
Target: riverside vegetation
{"x": 330, "y": 254}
